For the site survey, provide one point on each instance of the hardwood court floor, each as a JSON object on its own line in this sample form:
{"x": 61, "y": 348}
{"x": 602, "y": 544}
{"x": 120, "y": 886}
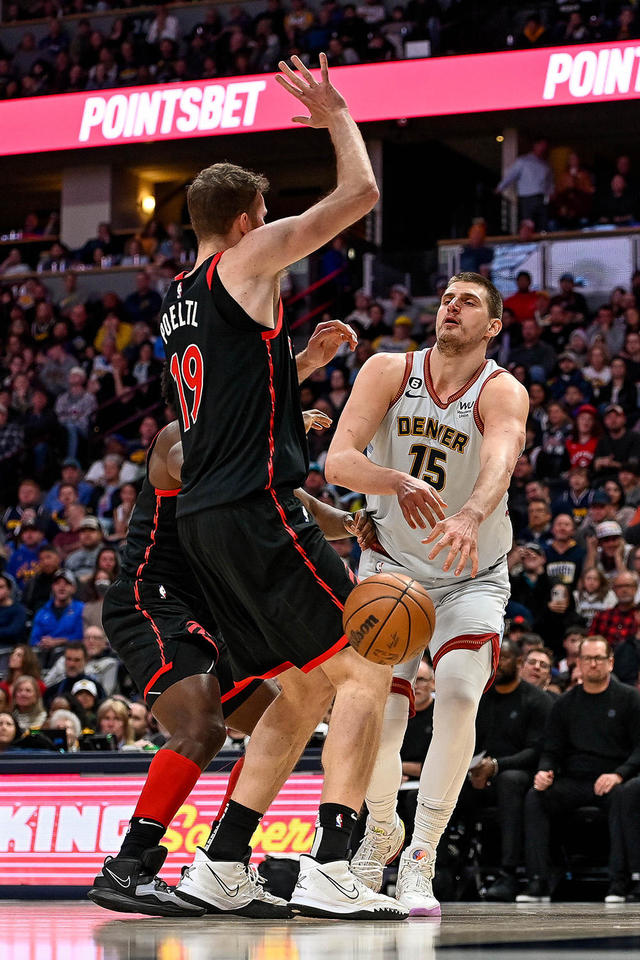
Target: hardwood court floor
{"x": 63, "y": 930}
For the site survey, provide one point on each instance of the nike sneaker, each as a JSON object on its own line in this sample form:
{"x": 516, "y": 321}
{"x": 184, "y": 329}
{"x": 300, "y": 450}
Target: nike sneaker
{"x": 330, "y": 890}
{"x": 378, "y": 848}
{"x": 414, "y": 888}
{"x": 131, "y": 885}
{"x": 229, "y": 888}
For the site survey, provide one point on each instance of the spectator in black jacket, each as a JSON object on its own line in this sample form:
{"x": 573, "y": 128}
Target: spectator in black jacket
{"x": 616, "y": 446}
{"x": 591, "y": 748}
{"x": 509, "y": 728}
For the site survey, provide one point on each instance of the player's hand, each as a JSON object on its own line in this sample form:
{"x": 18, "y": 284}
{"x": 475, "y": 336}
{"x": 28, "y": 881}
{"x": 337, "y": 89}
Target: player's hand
{"x": 419, "y": 502}
{"x": 605, "y": 783}
{"x": 361, "y": 525}
{"x": 315, "y": 420}
{"x": 322, "y": 100}
{"x": 460, "y": 534}
{"x": 543, "y": 780}
{"x": 482, "y": 773}
{"x": 326, "y": 340}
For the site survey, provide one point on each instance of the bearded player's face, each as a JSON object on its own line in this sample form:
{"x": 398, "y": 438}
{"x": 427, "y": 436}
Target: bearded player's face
{"x": 463, "y": 318}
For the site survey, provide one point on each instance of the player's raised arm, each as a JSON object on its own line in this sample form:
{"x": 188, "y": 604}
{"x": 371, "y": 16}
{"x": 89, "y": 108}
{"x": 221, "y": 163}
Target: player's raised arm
{"x": 504, "y": 406}
{"x": 376, "y": 385}
{"x": 276, "y": 245}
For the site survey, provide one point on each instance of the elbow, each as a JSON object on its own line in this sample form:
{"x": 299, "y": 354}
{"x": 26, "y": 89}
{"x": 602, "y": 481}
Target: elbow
{"x": 331, "y": 470}
{"x": 370, "y": 195}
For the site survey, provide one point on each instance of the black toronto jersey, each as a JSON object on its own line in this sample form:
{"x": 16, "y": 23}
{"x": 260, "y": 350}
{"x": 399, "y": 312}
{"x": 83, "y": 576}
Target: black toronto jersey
{"x": 238, "y": 395}
{"x": 152, "y": 551}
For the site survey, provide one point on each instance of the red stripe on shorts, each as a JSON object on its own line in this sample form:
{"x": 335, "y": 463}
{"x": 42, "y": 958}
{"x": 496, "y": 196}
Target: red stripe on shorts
{"x": 307, "y": 560}
{"x": 472, "y": 641}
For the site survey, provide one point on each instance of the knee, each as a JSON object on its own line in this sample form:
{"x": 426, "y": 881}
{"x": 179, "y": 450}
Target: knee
{"x": 199, "y": 738}
{"x": 513, "y": 781}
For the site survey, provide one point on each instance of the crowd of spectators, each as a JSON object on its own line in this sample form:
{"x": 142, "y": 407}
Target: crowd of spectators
{"x": 142, "y": 46}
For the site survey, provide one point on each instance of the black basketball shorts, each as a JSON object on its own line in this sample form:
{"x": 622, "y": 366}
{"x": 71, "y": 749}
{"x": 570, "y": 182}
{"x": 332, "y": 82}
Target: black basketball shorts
{"x": 274, "y": 585}
{"x": 162, "y": 638}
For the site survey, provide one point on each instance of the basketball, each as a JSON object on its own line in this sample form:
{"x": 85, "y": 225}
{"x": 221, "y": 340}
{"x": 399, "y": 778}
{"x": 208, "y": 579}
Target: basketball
{"x": 389, "y": 618}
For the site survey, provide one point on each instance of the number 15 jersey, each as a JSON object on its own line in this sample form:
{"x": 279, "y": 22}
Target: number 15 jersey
{"x": 439, "y": 442}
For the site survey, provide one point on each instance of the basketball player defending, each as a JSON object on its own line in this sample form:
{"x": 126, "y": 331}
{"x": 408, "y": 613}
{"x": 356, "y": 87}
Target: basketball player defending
{"x": 157, "y": 621}
{"x": 451, "y": 418}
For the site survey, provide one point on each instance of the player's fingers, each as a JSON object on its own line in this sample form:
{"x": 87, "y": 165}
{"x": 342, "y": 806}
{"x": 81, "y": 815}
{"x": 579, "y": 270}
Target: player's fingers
{"x": 427, "y": 514}
{"x": 454, "y": 550}
{"x": 324, "y": 68}
{"x": 307, "y": 121}
{"x": 441, "y": 545}
{"x": 407, "y": 515}
{"x": 289, "y": 88}
{"x": 437, "y": 530}
{"x": 474, "y": 560}
{"x": 299, "y": 65}
{"x": 297, "y": 82}
{"x": 462, "y": 562}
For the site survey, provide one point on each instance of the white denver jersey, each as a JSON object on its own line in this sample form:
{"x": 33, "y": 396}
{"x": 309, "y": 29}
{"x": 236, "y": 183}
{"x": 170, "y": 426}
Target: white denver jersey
{"x": 440, "y": 443}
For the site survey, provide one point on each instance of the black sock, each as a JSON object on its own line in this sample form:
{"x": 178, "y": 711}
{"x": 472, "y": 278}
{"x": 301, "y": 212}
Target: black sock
{"x": 231, "y": 839}
{"x": 333, "y": 832}
{"x": 142, "y": 834}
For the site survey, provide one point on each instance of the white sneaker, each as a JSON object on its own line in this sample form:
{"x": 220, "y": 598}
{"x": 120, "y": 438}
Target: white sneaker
{"x": 231, "y": 888}
{"x": 331, "y": 890}
{"x": 414, "y": 885}
{"x": 377, "y": 849}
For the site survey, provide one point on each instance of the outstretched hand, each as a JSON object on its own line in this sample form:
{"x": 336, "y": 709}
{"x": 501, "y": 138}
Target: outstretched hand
{"x": 315, "y": 420}
{"x": 326, "y": 340}
{"x": 460, "y": 534}
{"x": 322, "y": 100}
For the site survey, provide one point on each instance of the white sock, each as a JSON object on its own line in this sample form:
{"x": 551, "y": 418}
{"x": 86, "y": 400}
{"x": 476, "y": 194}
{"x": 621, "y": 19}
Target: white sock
{"x": 382, "y": 793}
{"x": 461, "y": 676}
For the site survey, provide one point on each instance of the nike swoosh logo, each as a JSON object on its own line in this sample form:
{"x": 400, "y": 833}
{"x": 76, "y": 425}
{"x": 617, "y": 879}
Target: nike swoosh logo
{"x": 350, "y": 894}
{"x": 229, "y": 892}
{"x": 117, "y": 879}
{"x": 417, "y": 396}
{"x": 151, "y": 823}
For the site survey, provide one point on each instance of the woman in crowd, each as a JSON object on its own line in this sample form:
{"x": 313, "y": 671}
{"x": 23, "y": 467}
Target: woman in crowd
{"x": 593, "y": 595}
{"x": 597, "y": 372}
{"x": 581, "y": 445}
{"x": 621, "y": 389}
{"x": 9, "y": 731}
{"x": 66, "y": 720}
{"x": 113, "y": 717}
{"x": 624, "y": 514}
{"x": 538, "y": 399}
{"x": 23, "y": 661}
{"x": 28, "y": 709}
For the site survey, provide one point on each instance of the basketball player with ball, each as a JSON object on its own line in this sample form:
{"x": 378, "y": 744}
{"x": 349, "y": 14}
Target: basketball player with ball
{"x": 444, "y": 419}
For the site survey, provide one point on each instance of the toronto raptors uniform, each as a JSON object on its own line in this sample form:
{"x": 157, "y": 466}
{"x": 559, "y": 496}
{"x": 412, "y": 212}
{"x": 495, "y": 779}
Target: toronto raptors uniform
{"x": 439, "y": 442}
{"x": 273, "y": 584}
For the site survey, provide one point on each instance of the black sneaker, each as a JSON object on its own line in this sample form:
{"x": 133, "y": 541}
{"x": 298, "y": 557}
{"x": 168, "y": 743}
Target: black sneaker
{"x": 536, "y": 892}
{"x": 502, "y": 890}
{"x": 633, "y": 896}
{"x": 131, "y": 885}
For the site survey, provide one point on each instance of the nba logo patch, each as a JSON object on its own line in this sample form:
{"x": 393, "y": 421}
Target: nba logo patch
{"x": 379, "y": 566}
{"x": 180, "y": 289}
{"x": 338, "y": 820}
{"x": 290, "y": 347}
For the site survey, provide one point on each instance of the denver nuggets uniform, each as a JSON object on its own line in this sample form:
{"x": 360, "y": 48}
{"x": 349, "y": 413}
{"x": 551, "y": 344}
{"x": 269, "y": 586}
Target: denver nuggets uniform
{"x": 439, "y": 442}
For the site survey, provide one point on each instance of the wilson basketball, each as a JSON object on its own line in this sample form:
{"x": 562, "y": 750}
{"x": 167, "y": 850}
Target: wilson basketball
{"x": 389, "y": 618}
